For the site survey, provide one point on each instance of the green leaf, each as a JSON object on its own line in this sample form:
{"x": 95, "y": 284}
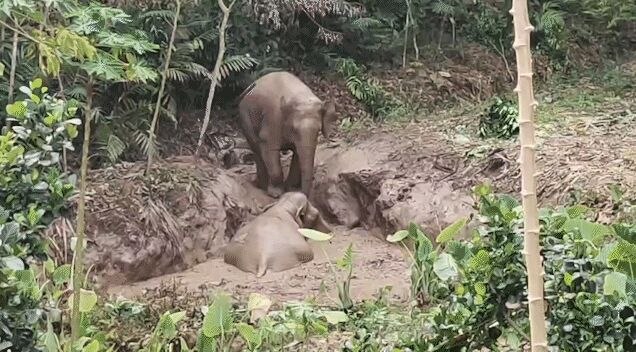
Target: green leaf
{"x": 1, "y": 69}
{"x": 480, "y": 260}
{"x": 615, "y": 282}
{"x": 590, "y": 231}
{"x": 315, "y": 235}
{"x": 480, "y": 288}
{"x": 623, "y": 259}
{"x": 451, "y": 231}
{"x": 218, "y": 320}
{"x": 51, "y": 341}
{"x": 13, "y": 263}
{"x": 17, "y": 109}
{"x": 88, "y": 300}
{"x": 398, "y": 236}
{"x": 577, "y": 211}
{"x": 335, "y": 317}
{"x": 166, "y": 327}
{"x": 445, "y": 267}
{"x": 62, "y": 274}
{"x": 35, "y": 84}
{"x": 177, "y": 317}
{"x": 249, "y": 334}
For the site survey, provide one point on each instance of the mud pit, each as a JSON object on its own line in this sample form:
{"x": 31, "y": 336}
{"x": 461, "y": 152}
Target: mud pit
{"x": 367, "y": 189}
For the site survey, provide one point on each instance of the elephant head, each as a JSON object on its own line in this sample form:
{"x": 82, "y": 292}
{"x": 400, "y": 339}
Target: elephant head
{"x": 303, "y": 212}
{"x": 319, "y": 111}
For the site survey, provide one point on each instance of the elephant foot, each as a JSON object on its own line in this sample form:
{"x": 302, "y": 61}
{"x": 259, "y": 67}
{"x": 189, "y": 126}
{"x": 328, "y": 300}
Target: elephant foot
{"x": 274, "y": 192}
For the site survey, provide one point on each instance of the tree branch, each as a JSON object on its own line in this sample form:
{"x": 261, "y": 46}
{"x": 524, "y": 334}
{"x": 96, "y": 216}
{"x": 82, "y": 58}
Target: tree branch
{"x": 155, "y": 117}
{"x": 215, "y": 73}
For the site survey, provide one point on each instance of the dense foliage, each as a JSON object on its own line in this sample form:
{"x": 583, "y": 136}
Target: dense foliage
{"x": 33, "y": 191}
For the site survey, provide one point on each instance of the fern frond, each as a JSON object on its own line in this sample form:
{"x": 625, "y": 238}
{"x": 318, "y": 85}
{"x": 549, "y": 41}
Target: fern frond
{"x": 443, "y": 8}
{"x": 236, "y": 63}
{"x": 365, "y": 23}
{"x": 114, "y": 148}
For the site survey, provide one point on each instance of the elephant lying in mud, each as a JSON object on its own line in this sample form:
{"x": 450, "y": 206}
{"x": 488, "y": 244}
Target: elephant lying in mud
{"x": 279, "y": 112}
{"x": 271, "y": 241}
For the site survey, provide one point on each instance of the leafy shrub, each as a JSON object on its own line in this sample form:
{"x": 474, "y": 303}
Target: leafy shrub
{"x": 33, "y": 191}
{"x": 589, "y": 283}
{"x": 369, "y": 92}
{"x": 500, "y": 120}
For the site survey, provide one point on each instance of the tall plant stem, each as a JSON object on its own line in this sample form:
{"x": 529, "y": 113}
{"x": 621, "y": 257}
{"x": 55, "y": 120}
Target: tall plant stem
{"x": 14, "y": 64}
{"x": 162, "y": 87}
{"x": 78, "y": 265}
{"x": 214, "y": 79}
{"x": 532, "y": 245}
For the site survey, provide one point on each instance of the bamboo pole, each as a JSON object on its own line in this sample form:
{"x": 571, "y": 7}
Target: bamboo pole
{"x": 532, "y": 245}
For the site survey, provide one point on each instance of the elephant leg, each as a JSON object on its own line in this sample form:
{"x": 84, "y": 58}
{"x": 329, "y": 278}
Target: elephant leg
{"x": 274, "y": 171}
{"x": 293, "y": 181}
{"x": 261, "y": 170}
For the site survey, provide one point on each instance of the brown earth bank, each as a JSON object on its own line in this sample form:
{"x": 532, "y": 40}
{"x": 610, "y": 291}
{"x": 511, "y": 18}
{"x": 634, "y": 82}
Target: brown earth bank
{"x": 181, "y": 217}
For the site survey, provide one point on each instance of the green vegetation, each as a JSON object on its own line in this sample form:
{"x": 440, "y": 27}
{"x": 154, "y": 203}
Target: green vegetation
{"x": 62, "y": 59}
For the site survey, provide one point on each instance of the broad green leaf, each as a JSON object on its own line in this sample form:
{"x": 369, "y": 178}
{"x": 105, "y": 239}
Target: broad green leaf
{"x": 398, "y": 236}
{"x": 62, "y": 274}
{"x": 480, "y": 260}
{"x": 13, "y": 263}
{"x": 480, "y": 288}
{"x": 577, "y": 211}
{"x": 218, "y": 320}
{"x": 626, "y": 232}
{"x": 88, "y": 300}
{"x": 206, "y": 343}
{"x": 166, "y": 327}
{"x": 424, "y": 248}
{"x": 445, "y": 267}
{"x": 623, "y": 259}
{"x": 51, "y": 341}
{"x": 590, "y": 231}
{"x": 249, "y": 334}
{"x": 26, "y": 90}
{"x": 17, "y": 109}
{"x": 568, "y": 279}
{"x": 335, "y": 317}
{"x": 35, "y": 84}
{"x": 177, "y": 317}
{"x": 451, "y": 231}
{"x": 615, "y": 282}
{"x": 315, "y": 235}
{"x": 1, "y": 69}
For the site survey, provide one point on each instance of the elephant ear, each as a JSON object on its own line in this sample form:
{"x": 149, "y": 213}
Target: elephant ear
{"x": 329, "y": 118}
{"x": 298, "y": 216}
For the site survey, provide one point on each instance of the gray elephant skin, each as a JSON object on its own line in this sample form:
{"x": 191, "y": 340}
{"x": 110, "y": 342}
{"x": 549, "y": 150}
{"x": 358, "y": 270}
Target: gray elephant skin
{"x": 271, "y": 241}
{"x": 280, "y": 112}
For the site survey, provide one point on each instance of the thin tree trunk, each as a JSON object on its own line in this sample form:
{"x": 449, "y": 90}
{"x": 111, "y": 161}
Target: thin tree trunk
{"x": 406, "y": 32}
{"x": 14, "y": 64}
{"x": 532, "y": 245}
{"x": 162, "y": 87}
{"x": 215, "y": 73}
{"x": 78, "y": 263}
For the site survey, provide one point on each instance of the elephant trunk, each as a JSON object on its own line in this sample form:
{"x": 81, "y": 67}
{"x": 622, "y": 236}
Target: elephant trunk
{"x": 306, "y": 155}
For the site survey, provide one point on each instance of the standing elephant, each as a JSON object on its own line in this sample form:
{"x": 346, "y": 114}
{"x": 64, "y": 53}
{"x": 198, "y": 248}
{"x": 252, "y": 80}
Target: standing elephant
{"x": 271, "y": 241}
{"x": 279, "y": 112}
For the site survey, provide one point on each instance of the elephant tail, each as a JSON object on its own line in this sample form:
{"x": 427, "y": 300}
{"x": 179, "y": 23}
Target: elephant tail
{"x": 262, "y": 267}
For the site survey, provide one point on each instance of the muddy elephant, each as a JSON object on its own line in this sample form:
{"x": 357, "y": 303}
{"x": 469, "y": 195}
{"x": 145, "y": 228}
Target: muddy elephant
{"x": 271, "y": 241}
{"x": 278, "y": 112}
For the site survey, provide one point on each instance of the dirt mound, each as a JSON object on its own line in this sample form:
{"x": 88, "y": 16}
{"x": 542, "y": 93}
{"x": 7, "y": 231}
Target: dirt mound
{"x": 378, "y": 183}
{"x": 140, "y": 227}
